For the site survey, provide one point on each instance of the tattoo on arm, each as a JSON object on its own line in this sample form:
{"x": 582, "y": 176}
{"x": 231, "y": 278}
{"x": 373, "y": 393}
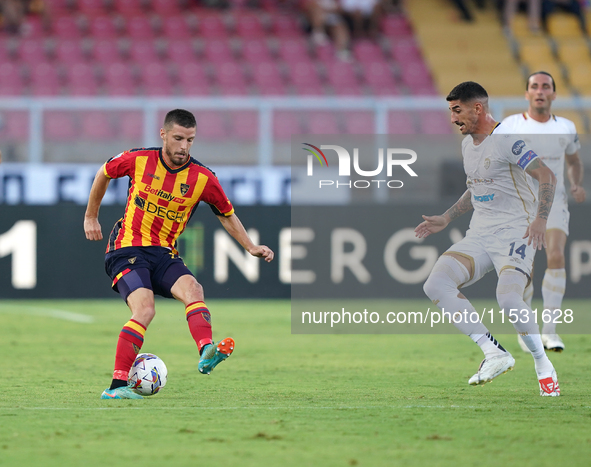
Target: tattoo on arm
{"x": 462, "y": 206}
{"x": 546, "y": 194}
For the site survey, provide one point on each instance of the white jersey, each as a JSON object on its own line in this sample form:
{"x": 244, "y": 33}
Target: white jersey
{"x": 551, "y": 140}
{"x": 503, "y": 194}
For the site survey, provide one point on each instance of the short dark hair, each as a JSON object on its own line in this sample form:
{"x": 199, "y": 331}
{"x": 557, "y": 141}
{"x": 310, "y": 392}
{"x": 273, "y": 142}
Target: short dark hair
{"x": 541, "y": 73}
{"x": 181, "y": 117}
{"x": 466, "y": 92}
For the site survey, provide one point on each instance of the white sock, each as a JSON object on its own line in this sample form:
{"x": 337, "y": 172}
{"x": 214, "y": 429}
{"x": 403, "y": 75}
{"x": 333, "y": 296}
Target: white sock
{"x": 490, "y": 346}
{"x": 510, "y": 290}
{"x": 553, "y": 288}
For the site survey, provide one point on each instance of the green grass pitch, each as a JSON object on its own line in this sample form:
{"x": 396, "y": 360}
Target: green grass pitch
{"x": 281, "y": 399}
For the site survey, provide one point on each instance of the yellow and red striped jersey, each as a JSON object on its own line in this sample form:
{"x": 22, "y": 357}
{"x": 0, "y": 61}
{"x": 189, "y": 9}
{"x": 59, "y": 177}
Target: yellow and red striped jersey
{"x": 161, "y": 199}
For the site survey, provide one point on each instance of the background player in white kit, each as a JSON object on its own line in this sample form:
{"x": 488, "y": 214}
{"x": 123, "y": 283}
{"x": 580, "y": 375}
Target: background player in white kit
{"x": 499, "y": 168}
{"x": 554, "y": 139}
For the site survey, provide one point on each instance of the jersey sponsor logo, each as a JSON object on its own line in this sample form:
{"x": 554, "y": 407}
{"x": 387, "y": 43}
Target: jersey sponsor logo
{"x": 164, "y": 195}
{"x": 518, "y": 147}
{"x": 184, "y": 188}
{"x": 484, "y": 198}
{"x": 153, "y": 176}
{"x": 480, "y": 181}
{"x": 132, "y": 260}
{"x": 526, "y": 159}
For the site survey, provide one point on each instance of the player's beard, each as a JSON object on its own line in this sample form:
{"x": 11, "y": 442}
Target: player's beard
{"x": 177, "y": 159}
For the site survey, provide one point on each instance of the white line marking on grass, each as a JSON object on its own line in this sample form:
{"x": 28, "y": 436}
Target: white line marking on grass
{"x": 52, "y": 313}
{"x": 378, "y": 407}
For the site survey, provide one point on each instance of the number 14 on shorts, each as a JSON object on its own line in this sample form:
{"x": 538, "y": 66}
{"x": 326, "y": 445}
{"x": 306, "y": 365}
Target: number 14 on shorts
{"x": 520, "y": 250}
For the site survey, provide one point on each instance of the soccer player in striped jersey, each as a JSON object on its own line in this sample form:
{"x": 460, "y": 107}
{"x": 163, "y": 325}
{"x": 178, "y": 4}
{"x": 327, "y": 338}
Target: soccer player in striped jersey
{"x": 555, "y": 140}
{"x": 499, "y": 169}
{"x": 166, "y": 185}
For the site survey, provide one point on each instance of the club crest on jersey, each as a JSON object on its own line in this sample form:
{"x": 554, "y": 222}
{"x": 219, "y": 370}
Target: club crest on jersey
{"x": 518, "y": 147}
{"x": 486, "y": 163}
{"x": 184, "y": 188}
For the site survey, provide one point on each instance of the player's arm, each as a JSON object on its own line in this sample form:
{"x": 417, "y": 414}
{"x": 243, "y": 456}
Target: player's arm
{"x": 434, "y": 224}
{"x": 235, "y": 228}
{"x": 92, "y": 228}
{"x": 575, "y": 176}
{"x": 536, "y": 231}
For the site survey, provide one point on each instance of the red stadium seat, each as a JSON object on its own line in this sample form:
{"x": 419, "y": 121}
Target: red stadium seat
{"x": 266, "y": 74}
{"x": 416, "y": 74}
{"x": 406, "y": 51}
{"x": 244, "y": 125}
{"x": 143, "y": 51}
{"x": 176, "y": 27}
{"x": 304, "y": 74}
{"x": 211, "y": 126}
{"x": 14, "y": 125}
{"x": 102, "y": 27}
{"x": 32, "y": 51}
{"x": 96, "y": 126}
{"x": 33, "y": 27}
{"x": 156, "y": 79}
{"x": 286, "y": 27}
{"x": 67, "y": 27}
{"x": 119, "y": 74}
{"x": 347, "y": 90}
{"x": 139, "y": 27}
{"x": 341, "y": 73}
{"x": 255, "y": 51}
{"x": 181, "y": 51}
{"x": 81, "y": 80}
{"x": 322, "y": 123}
{"x": 130, "y": 125}
{"x": 130, "y": 7}
{"x": 249, "y": 27}
{"x": 229, "y": 73}
{"x": 195, "y": 89}
{"x": 396, "y": 25}
{"x": 378, "y": 74}
{"x": 69, "y": 51}
{"x": 435, "y": 122}
{"x": 190, "y": 72}
{"x": 384, "y": 90}
{"x": 91, "y": 7}
{"x": 11, "y": 80}
{"x": 233, "y": 89}
{"x": 45, "y": 79}
{"x": 309, "y": 89}
{"x": 294, "y": 50}
{"x": 165, "y": 8}
{"x": 286, "y": 124}
{"x": 217, "y": 51}
{"x": 367, "y": 51}
{"x": 106, "y": 51}
{"x": 277, "y": 89}
{"x": 60, "y": 126}
{"x": 212, "y": 27}
{"x": 359, "y": 123}
{"x": 401, "y": 123}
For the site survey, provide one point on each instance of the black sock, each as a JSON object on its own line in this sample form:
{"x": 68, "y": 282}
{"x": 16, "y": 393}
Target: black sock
{"x": 118, "y": 383}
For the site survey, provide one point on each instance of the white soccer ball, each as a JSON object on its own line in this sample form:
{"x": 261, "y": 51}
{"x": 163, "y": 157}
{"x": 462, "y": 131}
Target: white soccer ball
{"x": 148, "y": 374}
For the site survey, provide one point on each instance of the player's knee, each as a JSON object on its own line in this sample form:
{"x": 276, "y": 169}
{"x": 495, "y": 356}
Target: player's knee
{"x": 555, "y": 258}
{"x": 144, "y": 315}
{"x": 510, "y": 290}
{"x": 438, "y": 285}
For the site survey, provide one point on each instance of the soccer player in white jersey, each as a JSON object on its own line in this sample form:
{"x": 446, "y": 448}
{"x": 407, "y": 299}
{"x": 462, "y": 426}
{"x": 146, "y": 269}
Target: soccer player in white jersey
{"x": 507, "y": 227}
{"x": 554, "y": 139}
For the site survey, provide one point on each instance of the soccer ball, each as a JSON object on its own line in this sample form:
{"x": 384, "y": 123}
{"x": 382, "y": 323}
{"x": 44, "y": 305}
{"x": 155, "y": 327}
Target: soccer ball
{"x": 148, "y": 374}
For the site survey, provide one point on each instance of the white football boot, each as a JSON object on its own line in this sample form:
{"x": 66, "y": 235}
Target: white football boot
{"x": 549, "y": 386}
{"x": 492, "y": 367}
{"x": 552, "y": 342}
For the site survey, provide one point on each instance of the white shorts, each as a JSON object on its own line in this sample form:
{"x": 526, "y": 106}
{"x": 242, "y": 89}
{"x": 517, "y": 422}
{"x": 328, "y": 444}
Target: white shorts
{"x": 501, "y": 249}
{"x": 559, "y": 214}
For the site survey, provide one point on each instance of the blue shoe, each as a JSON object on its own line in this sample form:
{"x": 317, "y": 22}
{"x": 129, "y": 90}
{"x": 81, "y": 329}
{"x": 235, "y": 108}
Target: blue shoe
{"x": 124, "y": 392}
{"x": 215, "y": 353}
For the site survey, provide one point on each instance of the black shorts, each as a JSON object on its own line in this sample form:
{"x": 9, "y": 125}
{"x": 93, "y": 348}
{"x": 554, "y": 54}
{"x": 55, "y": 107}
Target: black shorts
{"x": 152, "y": 267}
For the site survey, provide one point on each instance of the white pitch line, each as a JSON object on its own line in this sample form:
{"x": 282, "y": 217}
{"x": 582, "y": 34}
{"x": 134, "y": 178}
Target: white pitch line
{"x": 378, "y": 407}
{"x": 52, "y": 313}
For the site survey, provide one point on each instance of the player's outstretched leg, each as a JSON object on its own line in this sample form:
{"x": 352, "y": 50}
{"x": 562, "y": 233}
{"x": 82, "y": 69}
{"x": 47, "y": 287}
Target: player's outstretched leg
{"x": 124, "y": 392}
{"x": 213, "y": 354}
{"x": 553, "y": 288}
